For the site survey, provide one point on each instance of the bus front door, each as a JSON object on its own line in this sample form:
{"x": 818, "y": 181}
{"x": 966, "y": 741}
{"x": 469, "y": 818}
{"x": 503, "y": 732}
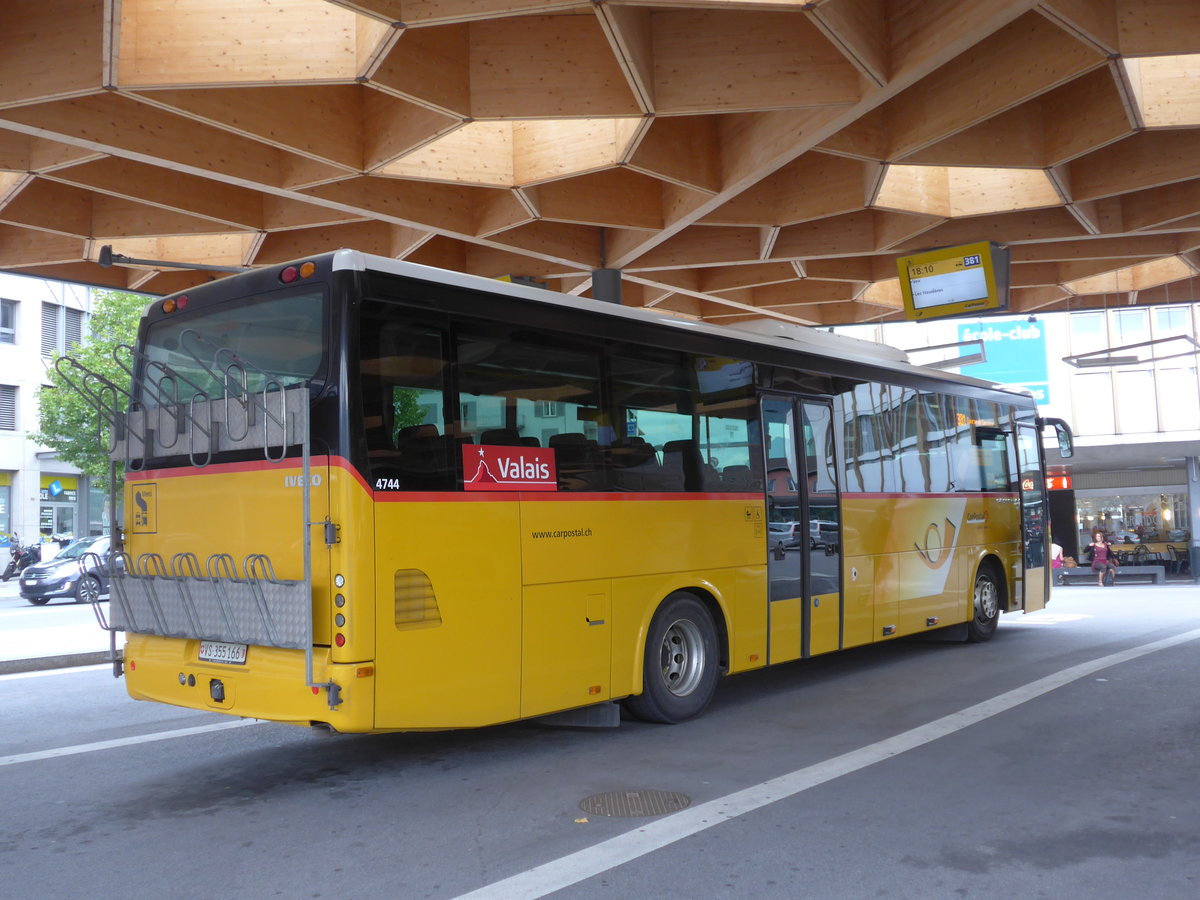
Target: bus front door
{"x": 803, "y": 528}
{"x": 1032, "y": 584}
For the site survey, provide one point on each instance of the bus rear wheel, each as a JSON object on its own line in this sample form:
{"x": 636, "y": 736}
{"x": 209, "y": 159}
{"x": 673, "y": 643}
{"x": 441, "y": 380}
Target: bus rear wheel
{"x": 986, "y": 602}
{"x": 679, "y": 674}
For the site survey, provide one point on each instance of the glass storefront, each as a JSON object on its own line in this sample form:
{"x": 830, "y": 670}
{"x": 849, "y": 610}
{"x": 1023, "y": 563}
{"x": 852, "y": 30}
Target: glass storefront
{"x": 1135, "y": 516}
{"x": 58, "y": 507}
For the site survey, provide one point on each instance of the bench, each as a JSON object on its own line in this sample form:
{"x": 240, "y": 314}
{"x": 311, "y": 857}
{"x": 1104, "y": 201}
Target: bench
{"x": 1157, "y": 574}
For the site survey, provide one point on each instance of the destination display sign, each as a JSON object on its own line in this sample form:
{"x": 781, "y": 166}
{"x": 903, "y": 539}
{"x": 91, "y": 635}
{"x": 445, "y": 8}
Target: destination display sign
{"x": 954, "y": 281}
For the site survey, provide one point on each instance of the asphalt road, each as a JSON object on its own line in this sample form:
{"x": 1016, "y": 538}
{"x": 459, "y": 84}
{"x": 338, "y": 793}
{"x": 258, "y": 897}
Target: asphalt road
{"x": 1058, "y": 760}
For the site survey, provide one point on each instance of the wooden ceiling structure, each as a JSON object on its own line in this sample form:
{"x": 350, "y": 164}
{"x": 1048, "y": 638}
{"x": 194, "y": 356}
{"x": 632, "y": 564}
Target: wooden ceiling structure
{"x": 734, "y": 159}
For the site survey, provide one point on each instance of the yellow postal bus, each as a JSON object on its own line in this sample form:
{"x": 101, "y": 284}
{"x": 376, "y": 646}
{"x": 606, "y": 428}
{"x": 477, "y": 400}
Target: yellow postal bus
{"x": 367, "y": 495}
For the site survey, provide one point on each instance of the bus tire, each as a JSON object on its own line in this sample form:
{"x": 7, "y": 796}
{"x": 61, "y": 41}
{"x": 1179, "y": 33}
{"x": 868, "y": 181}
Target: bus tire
{"x": 986, "y": 600}
{"x": 680, "y": 666}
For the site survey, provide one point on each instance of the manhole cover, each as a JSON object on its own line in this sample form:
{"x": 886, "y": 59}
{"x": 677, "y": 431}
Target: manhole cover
{"x": 632, "y": 804}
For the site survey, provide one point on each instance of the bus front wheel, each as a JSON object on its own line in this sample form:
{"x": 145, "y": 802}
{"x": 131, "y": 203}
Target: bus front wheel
{"x": 986, "y": 602}
{"x": 679, "y": 675}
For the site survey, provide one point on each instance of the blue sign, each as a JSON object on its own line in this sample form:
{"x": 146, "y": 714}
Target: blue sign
{"x": 56, "y": 488}
{"x": 1016, "y": 354}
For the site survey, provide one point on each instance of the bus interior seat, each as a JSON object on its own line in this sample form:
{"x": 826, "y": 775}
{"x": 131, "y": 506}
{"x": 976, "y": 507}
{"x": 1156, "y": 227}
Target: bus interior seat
{"x": 578, "y": 461}
{"x": 502, "y": 437}
{"x": 424, "y": 457}
{"x": 681, "y": 465}
{"x": 633, "y": 465}
{"x": 738, "y": 478}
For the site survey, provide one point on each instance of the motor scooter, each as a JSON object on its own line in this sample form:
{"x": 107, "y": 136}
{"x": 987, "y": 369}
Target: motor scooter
{"x": 22, "y": 558}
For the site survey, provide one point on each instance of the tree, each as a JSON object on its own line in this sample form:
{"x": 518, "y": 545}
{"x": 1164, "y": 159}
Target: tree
{"x": 69, "y": 423}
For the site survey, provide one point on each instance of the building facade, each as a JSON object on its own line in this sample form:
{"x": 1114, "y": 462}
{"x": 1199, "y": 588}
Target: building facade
{"x": 41, "y": 497}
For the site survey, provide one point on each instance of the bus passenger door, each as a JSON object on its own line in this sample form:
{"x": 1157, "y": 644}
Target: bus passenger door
{"x": 1033, "y": 583}
{"x": 803, "y": 530}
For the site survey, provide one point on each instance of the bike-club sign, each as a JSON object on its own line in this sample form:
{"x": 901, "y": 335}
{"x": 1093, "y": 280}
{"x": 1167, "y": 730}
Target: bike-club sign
{"x": 492, "y": 468}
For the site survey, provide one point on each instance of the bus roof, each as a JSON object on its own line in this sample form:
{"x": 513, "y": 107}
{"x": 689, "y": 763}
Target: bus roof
{"x": 783, "y": 335}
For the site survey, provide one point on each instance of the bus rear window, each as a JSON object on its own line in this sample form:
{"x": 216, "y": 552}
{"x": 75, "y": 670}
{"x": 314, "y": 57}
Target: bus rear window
{"x": 280, "y": 339}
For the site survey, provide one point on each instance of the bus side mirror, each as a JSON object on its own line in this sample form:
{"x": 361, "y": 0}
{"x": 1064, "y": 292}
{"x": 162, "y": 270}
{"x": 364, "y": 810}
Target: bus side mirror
{"x": 1066, "y": 442}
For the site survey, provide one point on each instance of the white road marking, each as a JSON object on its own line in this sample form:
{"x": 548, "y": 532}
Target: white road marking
{"x": 56, "y": 752}
{"x": 15, "y": 676}
{"x": 583, "y": 864}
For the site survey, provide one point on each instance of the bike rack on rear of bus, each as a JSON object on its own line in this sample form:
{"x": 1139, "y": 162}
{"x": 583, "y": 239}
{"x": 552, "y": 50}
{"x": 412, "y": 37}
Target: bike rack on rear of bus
{"x": 221, "y": 601}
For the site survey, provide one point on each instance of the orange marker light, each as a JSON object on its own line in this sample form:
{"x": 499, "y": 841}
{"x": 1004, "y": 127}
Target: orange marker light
{"x": 307, "y": 269}
{"x": 168, "y": 306}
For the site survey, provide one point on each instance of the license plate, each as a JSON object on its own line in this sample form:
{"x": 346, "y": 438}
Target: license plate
{"x": 219, "y": 652}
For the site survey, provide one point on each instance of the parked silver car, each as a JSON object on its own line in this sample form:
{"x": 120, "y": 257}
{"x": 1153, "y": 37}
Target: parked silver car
{"x": 74, "y": 573}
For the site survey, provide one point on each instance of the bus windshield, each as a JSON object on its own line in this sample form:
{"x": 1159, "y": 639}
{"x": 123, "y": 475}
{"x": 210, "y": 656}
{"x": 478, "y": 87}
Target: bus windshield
{"x": 276, "y": 339}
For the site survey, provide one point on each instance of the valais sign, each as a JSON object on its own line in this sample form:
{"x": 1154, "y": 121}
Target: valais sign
{"x": 488, "y": 468}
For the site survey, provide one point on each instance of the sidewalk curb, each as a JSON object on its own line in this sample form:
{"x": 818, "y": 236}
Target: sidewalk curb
{"x": 67, "y": 660}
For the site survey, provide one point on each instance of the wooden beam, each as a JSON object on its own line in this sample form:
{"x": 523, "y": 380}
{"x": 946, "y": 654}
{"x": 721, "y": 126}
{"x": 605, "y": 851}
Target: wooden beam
{"x": 615, "y": 197}
{"x": 1160, "y": 206}
{"x": 814, "y": 186}
{"x": 725, "y": 278}
{"x": 1129, "y": 247}
{"x": 15, "y": 151}
{"x": 1146, "y": 160}
{"x": 214, "y": 42}
{"x": 499, "y": 211}
{"x": 440, "y": 207}
{"x": 518, "y": 69}
{"x": 49, "y": 206}
{"x": 393, "y": 127}
{"x": 1029, "y": 299}
{"x": 118, "y": 217}
{"x": 479, "y": 153}
{"x": 1010, "y": 228}
{"x": 50, "y": 156}
{"x": 701, "y": 246}
{"x": 1018, "y": 62}
{"x": 286, "y": 214}
{"x": 110, "y": 121}
{"x": 631, "y": 37}
{"x": 190, "y": 194}
{"x": 53, "y": 49}
{"x": 708, "y": 61}
{"x": 1093, "y": 21}
{"x": 576, "y": 246}
{"x": 852, "y": 234}
{"x": 430, "y": 66}
{"x": 859, "y": 29}
{"x": 1083, "y": 115}
{"x": 22, "y": 247}
{"x": 282, "y": 116}
{"x": 1149, "y": 27}
{"x": 1015, "y": 137}
{"x": 441, "y": 12}
{"x": 803, "y": 293}
{"x": 285, "y": 246}
{"x": 681, "y": 149}
{"x": 855, "y": 268}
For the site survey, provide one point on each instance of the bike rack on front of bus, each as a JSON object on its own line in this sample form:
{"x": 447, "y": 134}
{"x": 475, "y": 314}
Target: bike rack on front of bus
{"x": 218, "y": 601}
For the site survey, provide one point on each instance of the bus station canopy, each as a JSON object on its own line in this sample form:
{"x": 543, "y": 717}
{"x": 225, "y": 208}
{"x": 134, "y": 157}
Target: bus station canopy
{"x": 734, "y": 159}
